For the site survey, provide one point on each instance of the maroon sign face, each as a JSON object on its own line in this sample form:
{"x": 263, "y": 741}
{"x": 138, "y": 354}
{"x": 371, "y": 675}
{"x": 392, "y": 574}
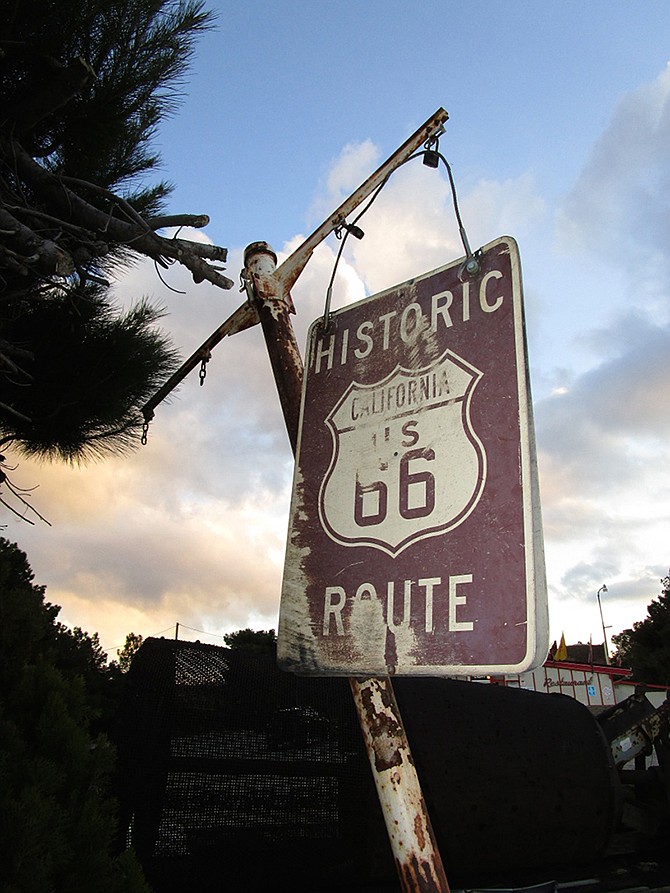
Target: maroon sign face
{"x": 415, "y": 536}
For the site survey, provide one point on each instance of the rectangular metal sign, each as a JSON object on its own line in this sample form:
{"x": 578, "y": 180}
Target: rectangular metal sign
{"x": 415, "y": 539}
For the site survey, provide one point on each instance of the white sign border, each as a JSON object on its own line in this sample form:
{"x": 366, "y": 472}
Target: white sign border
{"x": 537, "y": 624}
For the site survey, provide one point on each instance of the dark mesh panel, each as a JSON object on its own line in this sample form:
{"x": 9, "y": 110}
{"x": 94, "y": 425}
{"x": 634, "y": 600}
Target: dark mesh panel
{"x": 238, "y": 776}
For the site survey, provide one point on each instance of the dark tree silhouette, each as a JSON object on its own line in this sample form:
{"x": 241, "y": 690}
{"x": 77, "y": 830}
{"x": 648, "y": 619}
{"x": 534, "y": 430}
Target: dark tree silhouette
{"x": 126, "y": 654}
{"x": 261, "y": 641}
{"x": 645, "y": 648}
{"x": 83, "y": 88}
{"x": 91, "y": 368}
{"x": 58, "y": 824}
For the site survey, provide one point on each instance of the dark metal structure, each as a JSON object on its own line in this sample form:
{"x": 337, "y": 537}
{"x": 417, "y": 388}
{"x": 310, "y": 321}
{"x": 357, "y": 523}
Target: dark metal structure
{"x": 236, "y": 776}
{"x": 239, "y": 777}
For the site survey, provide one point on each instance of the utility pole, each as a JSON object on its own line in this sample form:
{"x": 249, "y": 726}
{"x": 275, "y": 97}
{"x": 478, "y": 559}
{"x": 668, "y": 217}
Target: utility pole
{"x": 269, "y": 303}
{"x": 415, "y": 850}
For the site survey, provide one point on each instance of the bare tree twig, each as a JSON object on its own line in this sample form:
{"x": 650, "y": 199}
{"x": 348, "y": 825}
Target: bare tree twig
{"x": 12, "y": 411}
{"x": 43, "y": 254}
{"x": 196, "y": 221}
{"x": 136, "y": 234}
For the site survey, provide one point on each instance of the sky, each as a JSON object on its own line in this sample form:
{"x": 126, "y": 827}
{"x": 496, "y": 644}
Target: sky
{"x": 558, "y": 135}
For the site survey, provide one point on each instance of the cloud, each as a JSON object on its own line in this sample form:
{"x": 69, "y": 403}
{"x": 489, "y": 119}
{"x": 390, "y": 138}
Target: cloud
{"x": 610, "y": 428}
{"x": 411, "y": 226}
{"x": 603, "y": 435}
{"x": 511, "y": 207}
{"x": 189, "y": 557}
{"x": 604, "y": 456}
{"x": 354, "y": 164}
{"x": 309, "y": 293}
{"x": 619, "y": 208}
{"x": 192, "y": 527}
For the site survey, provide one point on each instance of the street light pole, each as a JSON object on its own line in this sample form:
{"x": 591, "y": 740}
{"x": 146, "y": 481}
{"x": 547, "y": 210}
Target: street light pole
{"x": 603, "y": 588}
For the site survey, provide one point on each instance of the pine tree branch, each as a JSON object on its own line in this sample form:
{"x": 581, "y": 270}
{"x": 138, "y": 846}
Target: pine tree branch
{"x": 19, "y": 415}
{"x": 18, "y": 514}
{"x": 36, "y": 101}
{"x": 196, "y": 221}
{"x": 205, "y": 250}
{"x": 57, "y": 222}
{"x": 136, "y": 234}
{"x": 31, "y": 251}
{"x": 15, "y": 351}
{"x": 115, "y": 199}
{"x": 210, "y": 252}
{"x": 9, "y": 352}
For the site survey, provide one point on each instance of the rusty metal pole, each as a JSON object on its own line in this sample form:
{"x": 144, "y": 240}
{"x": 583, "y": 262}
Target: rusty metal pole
{"x": 266, "y": 293}
{"x": 408, "y": 825}
{"x": 246, "y": 315}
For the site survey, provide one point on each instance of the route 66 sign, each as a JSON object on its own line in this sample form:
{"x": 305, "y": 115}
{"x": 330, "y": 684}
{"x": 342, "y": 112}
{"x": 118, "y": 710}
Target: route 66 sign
{"x": 415, "y": 542}
{"x": 430, "y": 485}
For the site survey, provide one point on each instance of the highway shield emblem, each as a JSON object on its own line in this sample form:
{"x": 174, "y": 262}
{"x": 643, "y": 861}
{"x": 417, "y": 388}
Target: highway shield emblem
{"x": 406, "y": 462}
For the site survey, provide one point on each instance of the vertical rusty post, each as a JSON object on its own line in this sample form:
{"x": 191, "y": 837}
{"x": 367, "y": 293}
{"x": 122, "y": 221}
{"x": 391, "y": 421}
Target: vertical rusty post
{"x": 410, "y": 833}
{"x": 408, "y": 825}
{"x": 273, "y": 306}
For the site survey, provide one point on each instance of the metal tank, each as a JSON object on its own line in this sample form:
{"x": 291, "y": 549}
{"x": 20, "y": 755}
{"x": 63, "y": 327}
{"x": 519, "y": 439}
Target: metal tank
{"x": 514, "y": 780}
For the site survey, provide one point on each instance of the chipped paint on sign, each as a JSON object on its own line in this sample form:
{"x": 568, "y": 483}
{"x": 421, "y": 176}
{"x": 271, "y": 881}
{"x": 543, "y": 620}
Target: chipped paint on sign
{"x": 415, "y": 536}
{"x": 419, "y": 466}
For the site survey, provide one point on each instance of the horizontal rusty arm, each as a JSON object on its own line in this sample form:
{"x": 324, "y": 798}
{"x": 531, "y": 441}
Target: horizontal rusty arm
{"x": 287, "y": 273}
{"x": 292, "y": 267}
{"x": 243, "y": 318}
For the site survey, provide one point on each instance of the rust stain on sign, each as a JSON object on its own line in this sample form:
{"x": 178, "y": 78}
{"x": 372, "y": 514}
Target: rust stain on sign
{"x": 415, "y": 540}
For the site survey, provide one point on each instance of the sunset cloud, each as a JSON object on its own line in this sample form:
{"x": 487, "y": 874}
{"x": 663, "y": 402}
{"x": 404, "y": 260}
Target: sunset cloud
{"x": 192, "y": 527}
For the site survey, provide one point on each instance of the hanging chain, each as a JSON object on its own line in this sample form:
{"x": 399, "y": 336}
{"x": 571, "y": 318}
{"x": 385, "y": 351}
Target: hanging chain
{"x": 202, "y": 374}
{"x": 145, "y": 432}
